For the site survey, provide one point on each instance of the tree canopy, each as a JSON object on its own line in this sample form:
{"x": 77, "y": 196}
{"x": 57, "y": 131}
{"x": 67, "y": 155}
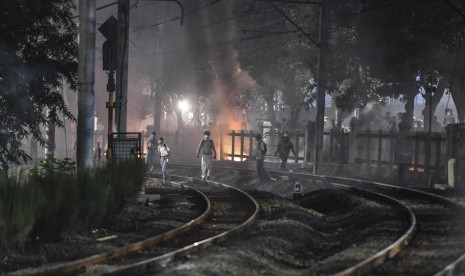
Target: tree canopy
{"x": 38, "y": 55}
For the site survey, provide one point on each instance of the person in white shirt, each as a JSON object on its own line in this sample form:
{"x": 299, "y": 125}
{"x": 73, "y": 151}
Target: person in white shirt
{"x": 164, "y": 153}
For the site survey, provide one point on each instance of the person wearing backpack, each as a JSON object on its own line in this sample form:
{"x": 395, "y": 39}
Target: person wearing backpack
{"x": 206, "y": 149}
{"x": 260, "y": 153}
{"x": 164, "y": 153}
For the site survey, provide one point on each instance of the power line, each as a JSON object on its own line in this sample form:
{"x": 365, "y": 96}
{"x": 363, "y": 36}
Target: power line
{"x": 293, "y": 23}
{"x": 452, "y": 6}
{"x": 173, "y": 19}
{"x": 202, "y": 47}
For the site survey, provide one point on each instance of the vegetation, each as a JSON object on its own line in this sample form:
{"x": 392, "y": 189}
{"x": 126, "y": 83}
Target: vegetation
{"x": 54, "y": 198}
{"x": 38, "y": 52}
{"x": 376, "y": 49}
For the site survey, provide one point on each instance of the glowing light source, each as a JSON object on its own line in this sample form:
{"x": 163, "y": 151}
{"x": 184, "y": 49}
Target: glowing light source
{"x": 183, "y": 105}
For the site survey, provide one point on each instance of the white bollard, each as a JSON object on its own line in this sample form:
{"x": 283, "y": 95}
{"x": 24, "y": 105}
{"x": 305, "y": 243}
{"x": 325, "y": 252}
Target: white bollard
{"x": 451, "y": 172}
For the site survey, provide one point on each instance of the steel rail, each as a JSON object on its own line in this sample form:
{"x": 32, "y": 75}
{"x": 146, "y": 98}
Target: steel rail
{"x": 394, "y": 248}
{"x": 349, "y": 182}
{"x": 63, "y": 268}
{"x": 144, "y": 266}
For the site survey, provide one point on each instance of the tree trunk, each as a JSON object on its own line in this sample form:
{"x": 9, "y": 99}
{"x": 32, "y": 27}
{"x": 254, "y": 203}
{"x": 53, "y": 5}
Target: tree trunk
{"x": 433, "y": 103}
{"x": 50, "y": 139}
{"x": 295, "y": 114}
{"x": 179, "y": 125}
{"x": 410, "y": 105}
{"x": 157, "y": 109}
{"x": 340, "y": 117}
{"x": 270, "y": 113}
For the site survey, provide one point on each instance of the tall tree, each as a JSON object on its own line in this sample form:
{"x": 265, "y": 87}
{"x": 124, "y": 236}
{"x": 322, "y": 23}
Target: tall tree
{"x": 38, "y": 52}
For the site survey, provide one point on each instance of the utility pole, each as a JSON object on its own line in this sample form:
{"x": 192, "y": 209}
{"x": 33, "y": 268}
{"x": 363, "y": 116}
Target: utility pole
{"x": 321, "y": 85}
{"x": 86, "y": 71}
{"x": 158, "y": 72}
{"x": 322, "y": 45}
{"x": 122, "y": 53}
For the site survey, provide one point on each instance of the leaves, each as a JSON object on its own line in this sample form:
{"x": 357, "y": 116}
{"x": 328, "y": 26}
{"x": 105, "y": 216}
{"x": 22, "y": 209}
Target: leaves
{"x": 38, "y": 51}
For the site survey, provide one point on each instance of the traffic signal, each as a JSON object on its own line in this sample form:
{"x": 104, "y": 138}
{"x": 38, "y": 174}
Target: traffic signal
{"x": 108, "y": 30}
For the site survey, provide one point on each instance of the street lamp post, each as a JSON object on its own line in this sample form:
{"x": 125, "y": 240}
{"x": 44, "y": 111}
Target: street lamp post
{"x": 430, "y": 89}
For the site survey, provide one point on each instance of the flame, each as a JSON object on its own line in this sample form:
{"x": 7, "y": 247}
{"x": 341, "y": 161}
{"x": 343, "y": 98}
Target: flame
{"x": 413, "y": 169}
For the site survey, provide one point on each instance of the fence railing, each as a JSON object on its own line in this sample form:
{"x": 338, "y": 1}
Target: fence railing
{"x": 368, "y": 147}
{"x": 243, "y": 145}
{"x": 381, "y": 147}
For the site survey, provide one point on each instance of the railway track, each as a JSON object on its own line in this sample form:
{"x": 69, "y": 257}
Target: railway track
{"x": 440, "y": 239}
{"x": 428, "y": 224}
{"x": 440, "y": 228}
{"x": 232, "y": 210}
{"x": 217, "y": 222}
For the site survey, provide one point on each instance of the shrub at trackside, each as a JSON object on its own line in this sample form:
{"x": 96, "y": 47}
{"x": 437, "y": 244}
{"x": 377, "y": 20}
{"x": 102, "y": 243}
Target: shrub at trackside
{"x": 55, "y": 198}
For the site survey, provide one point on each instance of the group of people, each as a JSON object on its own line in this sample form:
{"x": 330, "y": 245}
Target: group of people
{"x": 206, "y": 151}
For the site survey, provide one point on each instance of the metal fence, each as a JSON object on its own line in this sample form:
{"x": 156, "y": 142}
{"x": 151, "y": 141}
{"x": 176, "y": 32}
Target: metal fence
{"x": 126, "y": 145}
{"x": 242, "y": 144}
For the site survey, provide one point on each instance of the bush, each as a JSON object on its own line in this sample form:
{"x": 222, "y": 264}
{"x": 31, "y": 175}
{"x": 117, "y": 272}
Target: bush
{"x": 58, "y": 205}
{"x": 94, "y": 196}
{"x": 18, "y": 203}
{"x": 126, "y": 180}
{"x": 54, "y": 198}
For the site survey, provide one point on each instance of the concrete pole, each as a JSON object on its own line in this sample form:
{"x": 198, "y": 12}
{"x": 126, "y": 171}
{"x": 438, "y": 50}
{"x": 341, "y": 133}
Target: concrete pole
{"x": 86, "y": 70}
{"x": 158, "y": 71}
{"x": 321, "y": 82}
{"x": 122, "y": 53}
{"x": 50, "y": 138}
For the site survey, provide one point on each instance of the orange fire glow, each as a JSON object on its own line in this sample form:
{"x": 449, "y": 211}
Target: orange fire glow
{"x": 413, "y": 169}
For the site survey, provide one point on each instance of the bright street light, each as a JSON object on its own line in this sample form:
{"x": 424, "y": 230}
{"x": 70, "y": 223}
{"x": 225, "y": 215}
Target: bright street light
{"x": 183, "y": 105}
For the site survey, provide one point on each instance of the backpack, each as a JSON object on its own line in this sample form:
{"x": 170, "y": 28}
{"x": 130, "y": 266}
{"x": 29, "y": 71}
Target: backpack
{"x": 264, "y": 148}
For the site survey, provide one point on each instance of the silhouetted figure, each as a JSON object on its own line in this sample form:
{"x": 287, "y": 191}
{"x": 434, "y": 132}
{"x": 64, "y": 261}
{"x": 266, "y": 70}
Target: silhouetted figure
{"x": 449, "y": 117}
{"x": 285, "y": 146}
{"x": 151, "y": 150}
{"x": 435, "y": 125}
{"x": 98, "y": 154}
{"x": 392, "y": 125}
{"x": 260, "y": 153}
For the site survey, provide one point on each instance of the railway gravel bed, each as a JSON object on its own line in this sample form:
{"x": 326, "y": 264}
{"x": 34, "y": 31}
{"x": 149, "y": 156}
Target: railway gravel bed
{"x": 439, "y": 242}
{"x": 231, "y": 210}
{"x": 290, "y": 239}
{"x": 308, "y": 236}
{"x": 137, "y": 221}
{"x": 440, "y": 239}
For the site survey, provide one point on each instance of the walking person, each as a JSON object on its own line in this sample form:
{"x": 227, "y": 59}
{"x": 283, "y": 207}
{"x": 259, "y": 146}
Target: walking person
{"x": 285, "y": 146}
{"x": 260, "y": 153}
{"x": 151, "y": 151}
{"x": 206, "y": 149}
{"x": 164, "y": 154}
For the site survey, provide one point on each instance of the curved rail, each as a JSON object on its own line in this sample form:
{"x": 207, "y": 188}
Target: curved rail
{"x": 393, "y": 249}
{"x": 143, "y": 266}
{"x": 390, "y": 251}
{"x": 61, "y": 269}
